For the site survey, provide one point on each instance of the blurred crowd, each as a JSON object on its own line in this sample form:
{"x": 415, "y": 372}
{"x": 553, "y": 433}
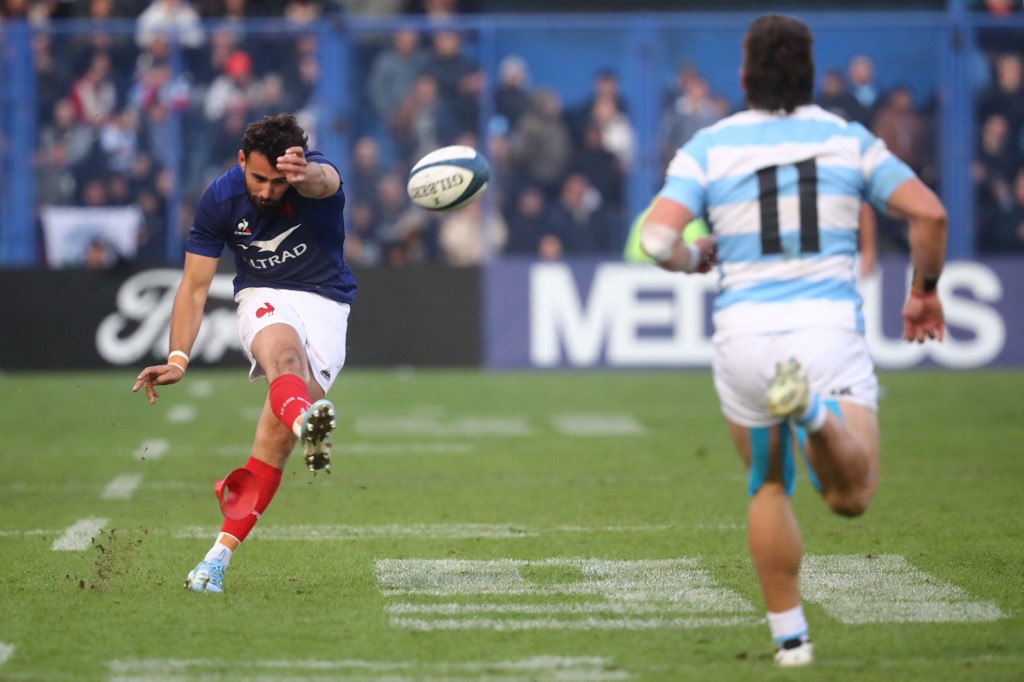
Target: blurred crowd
{"x": 117, "y": 112}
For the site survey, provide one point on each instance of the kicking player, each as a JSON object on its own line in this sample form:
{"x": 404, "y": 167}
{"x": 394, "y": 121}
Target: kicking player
{"x": 280, "y": 211}
{"x": 781, "y": 185}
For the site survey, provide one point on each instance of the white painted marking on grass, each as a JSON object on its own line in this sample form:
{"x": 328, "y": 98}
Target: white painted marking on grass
{"x": 6, "y": 651}
{"x": 181, "y": 414}
{"x": 425, "y": 425}
{"x": 626, "y": 594}
{"x": 154, "y": 448}
{"x": 363, "y": 448}
{"x": 122, "y": 487}
{"x": 887, "y": 589}
{"x": 597, "y": 425}
{"x": 200, "y": 388}
{"x": 79, "y": 535}
{"x": 542, "y": 668}
{"x": 425, "y": 531}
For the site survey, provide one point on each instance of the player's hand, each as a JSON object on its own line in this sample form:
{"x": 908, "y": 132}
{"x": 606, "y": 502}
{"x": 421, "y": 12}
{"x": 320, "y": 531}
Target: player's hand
{"x": 922, "y": 318}
{"x": 708, "y": 253}
{"x": 157, "y": 375}
{"x": 293, "y": 164}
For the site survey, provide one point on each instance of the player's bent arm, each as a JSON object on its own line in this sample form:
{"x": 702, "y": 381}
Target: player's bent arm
{"x": 914, "y": 202}
{"x": 661, "y": 239}
{"x": 321, "y": 181}
{"x": 190, "y": 300}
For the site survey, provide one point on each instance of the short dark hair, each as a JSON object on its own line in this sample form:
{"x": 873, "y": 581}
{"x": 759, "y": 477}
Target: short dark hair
{"x": 778, "y": 64}
{"x": 271, "y": 135}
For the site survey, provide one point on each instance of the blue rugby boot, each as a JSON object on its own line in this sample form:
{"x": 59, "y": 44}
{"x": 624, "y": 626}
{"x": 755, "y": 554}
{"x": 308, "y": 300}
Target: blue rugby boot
{"x": 207, "y": 576}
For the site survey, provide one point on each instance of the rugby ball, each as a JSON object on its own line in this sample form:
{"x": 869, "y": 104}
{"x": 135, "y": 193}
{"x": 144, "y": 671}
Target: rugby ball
{"x": 448, "y": 178}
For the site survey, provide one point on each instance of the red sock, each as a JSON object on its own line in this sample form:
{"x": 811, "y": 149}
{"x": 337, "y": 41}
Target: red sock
{"x": 267, "y": 478}
{"x": 289, "y": 398}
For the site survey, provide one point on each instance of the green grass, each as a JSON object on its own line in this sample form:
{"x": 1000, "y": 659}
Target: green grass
{"x": 447, "y": 466}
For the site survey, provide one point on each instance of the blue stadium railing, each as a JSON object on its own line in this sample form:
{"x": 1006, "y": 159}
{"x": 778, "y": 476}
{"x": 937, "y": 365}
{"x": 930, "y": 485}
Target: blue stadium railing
{"x": 934, "y": 53}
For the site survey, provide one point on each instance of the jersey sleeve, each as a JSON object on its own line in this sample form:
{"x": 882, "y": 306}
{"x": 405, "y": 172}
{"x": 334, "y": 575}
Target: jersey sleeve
{"x": 883, "y": 172}
{"x": 206, "y": 236}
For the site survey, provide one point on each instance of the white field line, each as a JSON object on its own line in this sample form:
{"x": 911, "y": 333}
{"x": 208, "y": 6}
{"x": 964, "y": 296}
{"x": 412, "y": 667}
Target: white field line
{"x": 590, "y": 425}
{"x": 181, "y": 414}
{"x": 200, "y": 388}
{"x": 430, "y": 531}
{"x": 79, "y": 535}
{"x": 506, "y": 625}
{"x": 541, "y": 668}
{"x": 887, "y": 589}
{"x": 151, "y": 449}
{"x": 122, "y": 487}
{"x": 6, "y": 651}
{"x": 424, "y": 425}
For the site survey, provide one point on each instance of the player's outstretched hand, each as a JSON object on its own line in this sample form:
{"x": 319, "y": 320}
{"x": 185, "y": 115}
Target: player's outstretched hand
{"x": 922, "y": 318}
{"x": 157, "y": 375}
{"x": 293, "y": 164}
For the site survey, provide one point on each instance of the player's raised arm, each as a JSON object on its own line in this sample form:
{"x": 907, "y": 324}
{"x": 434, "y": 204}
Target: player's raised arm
{"x": 186, "y": 317}
{"x": 922, "y": 312}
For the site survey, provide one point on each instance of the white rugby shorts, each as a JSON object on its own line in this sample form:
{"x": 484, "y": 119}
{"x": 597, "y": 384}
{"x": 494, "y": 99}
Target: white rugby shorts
{"x": 322, "y": 325}
{"x": 837, "y": 363}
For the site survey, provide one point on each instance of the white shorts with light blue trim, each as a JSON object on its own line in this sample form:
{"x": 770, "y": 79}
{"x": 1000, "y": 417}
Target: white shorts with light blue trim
{"x": 322, "y": 325}
{"x": 837, "y": 362}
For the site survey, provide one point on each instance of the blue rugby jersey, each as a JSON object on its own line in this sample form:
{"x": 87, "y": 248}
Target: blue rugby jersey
{"x": 300, "y": 246}
{"x": 782, "y": 193}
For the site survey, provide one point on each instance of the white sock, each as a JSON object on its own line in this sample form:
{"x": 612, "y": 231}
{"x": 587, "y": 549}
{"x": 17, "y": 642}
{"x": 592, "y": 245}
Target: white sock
{"x": 221, "y": 553}
{"x": 788, "y": 624}
{"x": 814, "y": 416}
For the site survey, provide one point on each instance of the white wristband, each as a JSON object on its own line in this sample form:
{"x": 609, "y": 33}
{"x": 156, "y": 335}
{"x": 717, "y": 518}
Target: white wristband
{"x": 694, "y": 258}
{"x": 658, "y": 241}
{"x": 179, "y": 354}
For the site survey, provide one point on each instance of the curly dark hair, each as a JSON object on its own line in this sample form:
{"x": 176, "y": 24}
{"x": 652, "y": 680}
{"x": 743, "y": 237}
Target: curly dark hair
{"x": 271, "y": 135}
{"x": 778, "y": 64}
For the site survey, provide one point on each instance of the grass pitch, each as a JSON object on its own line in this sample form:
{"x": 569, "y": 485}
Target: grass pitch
{"x": 541, "y": 526}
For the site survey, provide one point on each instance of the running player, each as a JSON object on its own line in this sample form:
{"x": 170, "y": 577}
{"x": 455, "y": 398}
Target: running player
{"x": 280, "y": 211}
{"x": 781, "y": 185}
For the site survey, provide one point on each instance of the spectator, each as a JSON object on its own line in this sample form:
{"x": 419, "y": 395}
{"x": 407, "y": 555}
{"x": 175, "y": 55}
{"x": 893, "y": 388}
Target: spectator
{"x": 1006, "y": 96}
{"x": 361, "y": 182}
{"x": 688, "y": 109}
{"x": 617, "y": 134}
{"x": 459, "y": 80}
{"x": 422, "y": 122}
{"x": 861, "y": 71}
{"x": 1009, "y": 225}
{"x": 512, "y": 98}
{"x": 601, "y": 168}
{"x": 393, "y": 71}
{"x": 605, "y": 87}
{"x": 527, "y": 225}
{"x": 234, "y": 90}
{"x": 64, "y": 128}
{"x": 996, "y": 165}
{"x": 577, "y": 219}
{"x": 93, "y": 95}
{"x": 903, "y": 129}
{"x": 119, "y": 140}
{"x": 836, "y": 98}
{"x": 53, "y": 80}
{"x": 541, "y": 143}
{"x": 471, "y": 235}
{"x": 175, "y": 18}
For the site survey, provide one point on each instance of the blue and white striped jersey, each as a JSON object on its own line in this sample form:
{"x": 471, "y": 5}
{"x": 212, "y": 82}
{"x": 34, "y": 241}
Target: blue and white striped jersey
{"x": 782, "y": 194}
